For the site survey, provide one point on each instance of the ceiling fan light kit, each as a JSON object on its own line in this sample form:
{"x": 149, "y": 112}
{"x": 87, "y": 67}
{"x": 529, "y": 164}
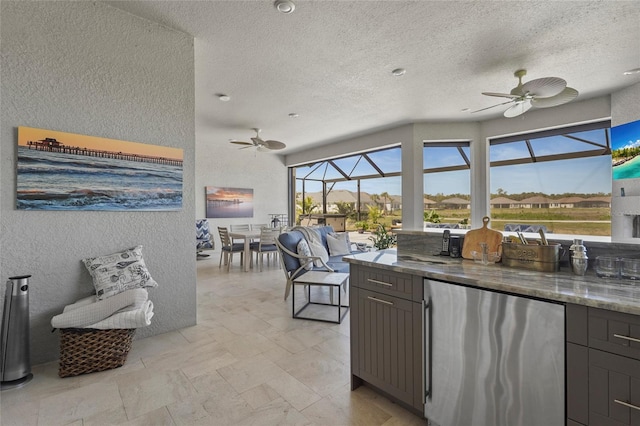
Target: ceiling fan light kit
{"x": 543, "y": 92}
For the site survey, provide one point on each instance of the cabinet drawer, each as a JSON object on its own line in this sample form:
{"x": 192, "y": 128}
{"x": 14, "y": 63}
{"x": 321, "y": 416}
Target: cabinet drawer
{"x": 392, "y": 283}
{"x": 615, "y": 332}
{"x": 614, "y": 389}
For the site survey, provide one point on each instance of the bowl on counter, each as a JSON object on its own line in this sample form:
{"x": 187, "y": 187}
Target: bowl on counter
{"x": 630, "y": 268}
{"x": 607, "y": 267}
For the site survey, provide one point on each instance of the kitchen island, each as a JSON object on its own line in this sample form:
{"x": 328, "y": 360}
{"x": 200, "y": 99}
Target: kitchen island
{"x": 599, "y": 327}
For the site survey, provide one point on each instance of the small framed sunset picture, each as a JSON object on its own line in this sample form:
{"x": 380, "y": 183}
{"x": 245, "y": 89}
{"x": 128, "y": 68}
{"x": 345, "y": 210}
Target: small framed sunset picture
{"x": 229, "y": 202}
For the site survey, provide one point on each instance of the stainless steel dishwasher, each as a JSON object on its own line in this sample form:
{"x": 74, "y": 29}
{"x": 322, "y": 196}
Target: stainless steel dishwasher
{"x": 491, "y": 358}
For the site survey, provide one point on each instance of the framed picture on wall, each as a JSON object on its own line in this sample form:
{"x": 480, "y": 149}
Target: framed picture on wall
{"x": 228, "y": 202}
{"x": 625, "y": 150}
{"x": 67, "y": 171}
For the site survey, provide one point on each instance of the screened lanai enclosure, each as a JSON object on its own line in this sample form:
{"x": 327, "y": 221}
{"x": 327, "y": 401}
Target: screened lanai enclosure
{"x": 345, "y": 185}
{"x": 568, "y": 167}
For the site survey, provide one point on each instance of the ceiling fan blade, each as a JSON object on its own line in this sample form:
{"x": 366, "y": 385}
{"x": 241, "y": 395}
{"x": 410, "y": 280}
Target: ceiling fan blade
{"x": 492, "y": 106}
{"x": 247, "y": 147}
{"x": 518, "y": 109}
{"x": 274, "y": 144}
{"x": 544, "y": 87}
{"x": 501, "y": 95}
{"x": 241, "y": 143}
{"x": 566, "y": 96}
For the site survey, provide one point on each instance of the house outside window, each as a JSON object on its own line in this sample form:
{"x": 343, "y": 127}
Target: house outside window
{"x": 447, "y": 196}
{"x": 558, "y": 179}
{"x": 352, "y": 186}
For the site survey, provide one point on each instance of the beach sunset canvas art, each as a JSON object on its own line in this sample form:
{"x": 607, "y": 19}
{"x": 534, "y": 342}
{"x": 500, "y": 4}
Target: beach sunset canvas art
{"x": 67, "y": 171}
{"x": 229, "y": 202}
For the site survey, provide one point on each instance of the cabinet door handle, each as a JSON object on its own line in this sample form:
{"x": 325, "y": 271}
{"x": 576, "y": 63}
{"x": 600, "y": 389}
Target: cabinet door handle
{"x": 426, "y": 347}
{"x": 375, "y": 299}
{"x": 626, "y": 404}
{"x": 632, "y": 339}
{"x": 371, "y": 280}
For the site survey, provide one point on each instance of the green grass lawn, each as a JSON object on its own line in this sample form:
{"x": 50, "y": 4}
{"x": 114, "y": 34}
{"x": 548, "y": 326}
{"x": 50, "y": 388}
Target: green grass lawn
{"x": 575, "y": 221}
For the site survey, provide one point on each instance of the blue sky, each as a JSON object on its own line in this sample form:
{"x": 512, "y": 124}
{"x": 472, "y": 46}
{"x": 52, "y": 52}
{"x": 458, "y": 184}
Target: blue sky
{"x": 625, "y": 135}
{"x": 581, "y": 175}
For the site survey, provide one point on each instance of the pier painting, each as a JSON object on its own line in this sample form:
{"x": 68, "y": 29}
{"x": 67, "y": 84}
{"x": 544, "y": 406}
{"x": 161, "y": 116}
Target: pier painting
{"x": 68, "y": 171}
{"x": 625, "y": 150}
{"x": 229, "y": 202}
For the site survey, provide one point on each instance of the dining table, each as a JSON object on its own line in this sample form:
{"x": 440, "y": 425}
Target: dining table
{"x": 247, "y": 236}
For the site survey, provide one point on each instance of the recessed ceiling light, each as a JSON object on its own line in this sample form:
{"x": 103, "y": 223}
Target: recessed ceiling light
{"x": 293, "y": 115}
{"x": 398, "y": 72}
{"x": 284, "y": 6}
{"x": 633, "y": 71}
{"x": 223, "y": 98}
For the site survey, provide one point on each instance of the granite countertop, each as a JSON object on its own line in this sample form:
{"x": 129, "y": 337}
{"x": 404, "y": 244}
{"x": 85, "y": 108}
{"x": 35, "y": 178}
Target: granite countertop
{"x": 612, "y": 294}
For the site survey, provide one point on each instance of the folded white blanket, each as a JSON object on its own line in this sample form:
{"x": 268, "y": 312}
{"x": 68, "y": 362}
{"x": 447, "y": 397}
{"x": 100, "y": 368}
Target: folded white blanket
{"x": 80, "y": 303}
{"x": 135, "y": 318}
{"x": 82, "y": 314}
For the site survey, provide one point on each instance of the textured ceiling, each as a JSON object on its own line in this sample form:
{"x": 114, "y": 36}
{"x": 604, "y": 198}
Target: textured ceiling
{"x": 331, "y": 61}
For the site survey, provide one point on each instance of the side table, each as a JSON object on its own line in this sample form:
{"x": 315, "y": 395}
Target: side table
{"x": 322, "y": 279}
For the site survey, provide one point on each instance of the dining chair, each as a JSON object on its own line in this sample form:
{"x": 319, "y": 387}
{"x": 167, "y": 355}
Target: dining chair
{"x": 258, "y": 226}
{"x": 240, "y": 227}
{"x": 266, "y": 245}
{"x": 229, "y": 248}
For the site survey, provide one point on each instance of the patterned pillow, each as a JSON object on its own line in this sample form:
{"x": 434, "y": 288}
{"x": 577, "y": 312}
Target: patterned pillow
{"x": 303, "y": 250}
{"x": 117, "y": 272}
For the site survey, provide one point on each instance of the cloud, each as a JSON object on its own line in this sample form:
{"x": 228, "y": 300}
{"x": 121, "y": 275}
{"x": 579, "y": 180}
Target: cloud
{"x": 632, "y": 144}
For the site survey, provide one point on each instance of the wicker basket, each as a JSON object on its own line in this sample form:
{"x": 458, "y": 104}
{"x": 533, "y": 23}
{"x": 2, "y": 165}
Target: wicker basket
{"x": 87, "y": 350}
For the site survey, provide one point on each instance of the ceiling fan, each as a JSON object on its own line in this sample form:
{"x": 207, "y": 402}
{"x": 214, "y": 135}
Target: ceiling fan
{"x": 540, "y": 93}
{"x": 260, "y": 144}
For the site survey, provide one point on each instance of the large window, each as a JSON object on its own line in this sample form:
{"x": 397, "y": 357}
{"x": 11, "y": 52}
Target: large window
{"x": 447, "y": 183}
{"x": 364, "y": 187}
{"x": 560, "y": 179}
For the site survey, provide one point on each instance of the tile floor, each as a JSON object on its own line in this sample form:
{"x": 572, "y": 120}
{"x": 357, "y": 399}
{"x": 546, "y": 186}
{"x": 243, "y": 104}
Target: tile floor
{"x": 247, "y": 362}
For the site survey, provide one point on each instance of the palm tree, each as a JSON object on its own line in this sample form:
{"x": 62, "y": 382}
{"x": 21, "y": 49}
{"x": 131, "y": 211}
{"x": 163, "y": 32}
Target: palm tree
{"x": 375, "y": 198}
{"x": 345, "y": 208}
{"x": 386, "y": 196}
{"x": 306, "y": 205}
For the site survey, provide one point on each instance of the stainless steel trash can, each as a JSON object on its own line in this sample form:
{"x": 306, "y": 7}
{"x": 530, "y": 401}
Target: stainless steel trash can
{"x": 15, "y": 361}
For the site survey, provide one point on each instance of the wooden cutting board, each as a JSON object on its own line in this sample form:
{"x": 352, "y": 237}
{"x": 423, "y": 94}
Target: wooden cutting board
{"x": 473, "y": 238}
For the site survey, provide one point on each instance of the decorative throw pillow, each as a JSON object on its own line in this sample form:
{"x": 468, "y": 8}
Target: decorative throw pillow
{"x": 117, "y": 272}
{"x": 304, "y": 250}
{"x": 339, "y": 244}
{"x": 318, "y": 249}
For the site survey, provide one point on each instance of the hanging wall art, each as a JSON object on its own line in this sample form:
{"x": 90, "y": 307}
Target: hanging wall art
{"x": 67, "y": 171}
{"x": 229, "y": 202}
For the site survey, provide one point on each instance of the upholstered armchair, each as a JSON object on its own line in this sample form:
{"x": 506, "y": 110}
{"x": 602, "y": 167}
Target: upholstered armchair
{"x": 204, "y": 239}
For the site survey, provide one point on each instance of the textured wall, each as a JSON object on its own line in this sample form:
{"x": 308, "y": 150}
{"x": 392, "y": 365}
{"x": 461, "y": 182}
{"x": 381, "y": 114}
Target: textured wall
{"x": 625, "y": 108}
{"x": 219, "y": 163}
{"x": 87, "y": 68}
{"x": 226, "y": 166}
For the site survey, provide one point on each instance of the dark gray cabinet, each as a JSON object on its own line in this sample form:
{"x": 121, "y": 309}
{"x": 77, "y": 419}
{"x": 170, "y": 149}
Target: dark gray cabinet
{"x": 386, "y": 333}
{"x": 603, "y": 367}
